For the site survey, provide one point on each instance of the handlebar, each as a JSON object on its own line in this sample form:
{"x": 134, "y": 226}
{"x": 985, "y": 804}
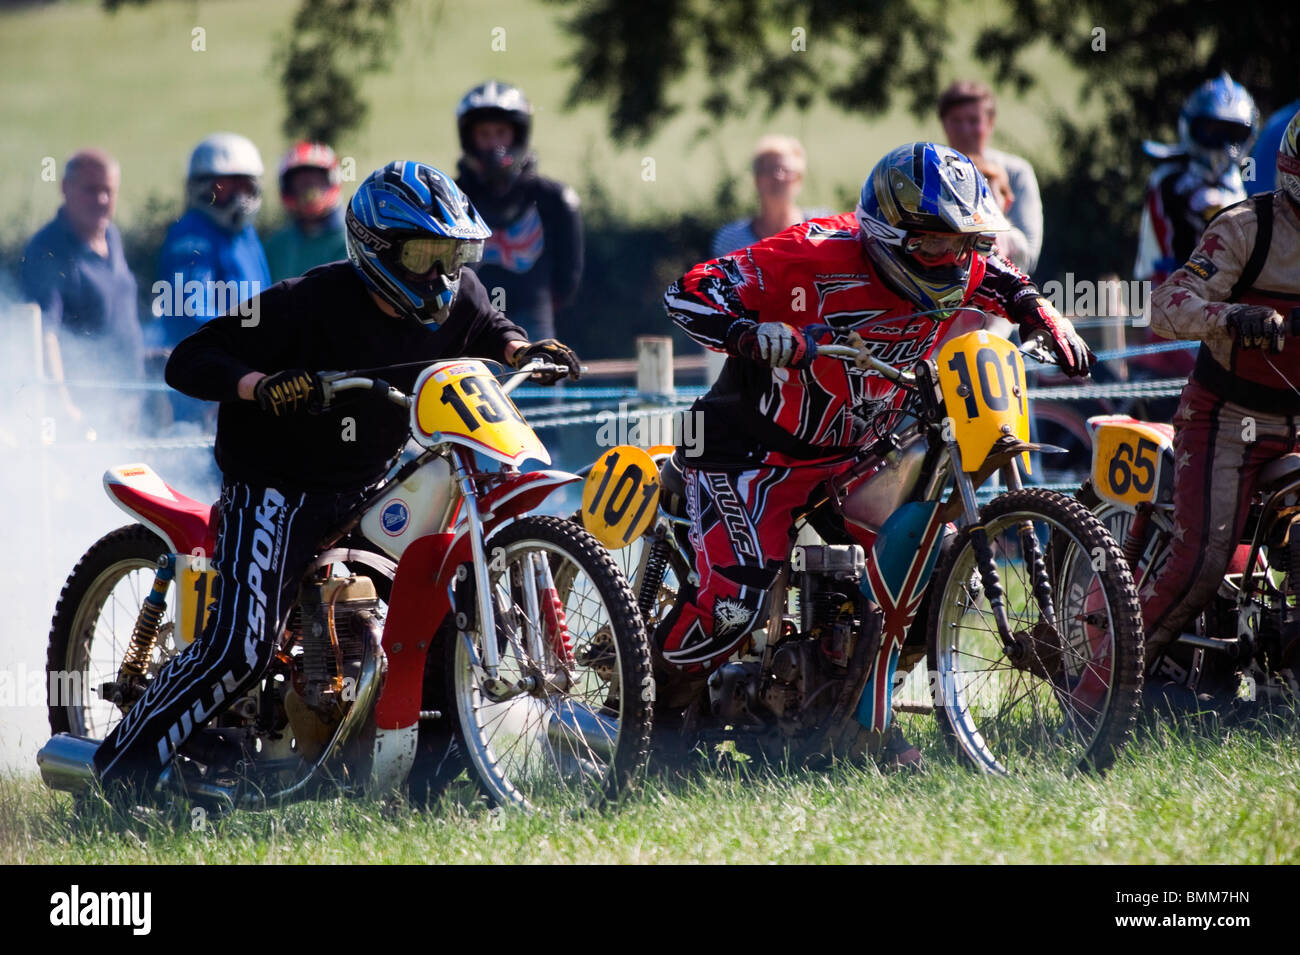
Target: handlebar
{"x": 1035, "y": 347}
{"x": 334, "y": 382}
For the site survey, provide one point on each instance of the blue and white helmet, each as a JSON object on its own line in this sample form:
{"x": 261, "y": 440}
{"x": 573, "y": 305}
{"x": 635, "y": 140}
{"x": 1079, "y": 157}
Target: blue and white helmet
{"x": 925, "y": 213}
{"x": 1218, "y": 123}
{"x": 409, "y": 231}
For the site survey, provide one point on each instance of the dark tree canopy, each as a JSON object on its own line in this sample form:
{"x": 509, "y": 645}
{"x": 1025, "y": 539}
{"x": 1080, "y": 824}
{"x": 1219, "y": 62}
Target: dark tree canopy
{"x": 861, "y": 55}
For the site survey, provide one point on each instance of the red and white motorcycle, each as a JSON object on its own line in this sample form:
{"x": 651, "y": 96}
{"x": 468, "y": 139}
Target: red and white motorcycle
{"x": 440, "y": 627}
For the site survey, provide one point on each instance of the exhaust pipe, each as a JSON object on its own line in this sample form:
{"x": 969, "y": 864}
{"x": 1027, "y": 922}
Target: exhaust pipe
{"x": 571, "y": 719}
{"x": 67, "y": 762}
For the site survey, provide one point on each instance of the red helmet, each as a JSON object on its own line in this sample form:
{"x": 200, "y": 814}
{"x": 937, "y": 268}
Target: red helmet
{"x": 315, "y": 203}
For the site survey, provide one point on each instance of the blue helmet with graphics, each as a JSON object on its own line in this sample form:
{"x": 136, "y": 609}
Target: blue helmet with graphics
{"x": 409, "y": 231}
{"x": 1217, "y": 123}
{"x": 925, "y": 213}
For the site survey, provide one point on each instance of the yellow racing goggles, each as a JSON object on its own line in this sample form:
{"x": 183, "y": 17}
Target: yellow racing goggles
{"x": 441, "y": 256}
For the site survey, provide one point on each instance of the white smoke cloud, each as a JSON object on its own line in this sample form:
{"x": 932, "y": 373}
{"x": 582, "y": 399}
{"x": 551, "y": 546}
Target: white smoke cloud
{"x": 55, "y": 508}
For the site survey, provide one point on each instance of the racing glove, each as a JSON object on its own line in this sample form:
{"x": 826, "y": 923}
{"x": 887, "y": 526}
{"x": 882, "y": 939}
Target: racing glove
{"x": 776, "y": 345}
{"x": 1256, "y": 326}
{"x": 1033, "y": 313}
{"x": 288, "y": 393}
{"x": 557, "y": 353}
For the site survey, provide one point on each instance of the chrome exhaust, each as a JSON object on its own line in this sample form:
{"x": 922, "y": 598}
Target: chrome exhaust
{"x": 67, "y": 762}
{"x": 595, "y": 732}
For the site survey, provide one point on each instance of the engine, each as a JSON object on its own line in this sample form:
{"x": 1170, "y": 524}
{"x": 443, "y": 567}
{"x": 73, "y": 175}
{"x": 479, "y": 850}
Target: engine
{"x": 333, "y": 623}
{"x": 810, "y": 656}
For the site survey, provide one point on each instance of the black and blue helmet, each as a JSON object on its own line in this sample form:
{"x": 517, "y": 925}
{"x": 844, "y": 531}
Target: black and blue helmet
{"x": 409, "y": 231}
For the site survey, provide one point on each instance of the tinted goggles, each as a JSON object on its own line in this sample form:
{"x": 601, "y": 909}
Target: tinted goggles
{"x": 946, "y": 248}
{"x": 438, "y": 256}
{"x": 1218, "y": 133}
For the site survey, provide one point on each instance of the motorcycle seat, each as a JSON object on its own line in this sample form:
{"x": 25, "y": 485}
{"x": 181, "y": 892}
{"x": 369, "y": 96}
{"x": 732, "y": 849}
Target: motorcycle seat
{"x": 1279, "y": 473}
{"x": 672, "y": 485}
{"x": 186, "y": 525}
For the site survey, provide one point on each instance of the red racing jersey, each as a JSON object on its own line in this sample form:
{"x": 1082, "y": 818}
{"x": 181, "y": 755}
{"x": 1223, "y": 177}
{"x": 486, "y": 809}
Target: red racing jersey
{"x": 814, "y": 273}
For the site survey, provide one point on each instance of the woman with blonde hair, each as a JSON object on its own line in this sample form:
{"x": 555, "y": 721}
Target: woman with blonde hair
{"x": 779, "y": 165}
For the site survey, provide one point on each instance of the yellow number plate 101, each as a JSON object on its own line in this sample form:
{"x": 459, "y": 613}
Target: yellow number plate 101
{"x": 1126, "y": 461}
{"x": 620, "y": 498}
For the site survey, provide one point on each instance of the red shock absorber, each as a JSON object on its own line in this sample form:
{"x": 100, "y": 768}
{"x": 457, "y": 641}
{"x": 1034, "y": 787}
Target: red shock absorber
{"x": 1135, "y": 539}
{"x": 557, "y": 627}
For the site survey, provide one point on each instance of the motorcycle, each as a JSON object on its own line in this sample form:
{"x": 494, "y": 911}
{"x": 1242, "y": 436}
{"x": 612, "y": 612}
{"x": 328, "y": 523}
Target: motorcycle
{"x": 1245, "y": 644}
{"x": 1026, "y": 613}
{"x": 441, "y": 626}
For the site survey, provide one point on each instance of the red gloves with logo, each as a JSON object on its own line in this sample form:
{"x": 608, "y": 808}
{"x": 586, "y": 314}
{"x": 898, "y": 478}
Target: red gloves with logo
{"x": 1033, "y": 313}
{"x": 775, "y": 344}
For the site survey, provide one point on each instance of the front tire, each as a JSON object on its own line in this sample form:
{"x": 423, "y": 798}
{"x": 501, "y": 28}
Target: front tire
{"x": 581, "y": 736}
{"x": 1070, "y": 699}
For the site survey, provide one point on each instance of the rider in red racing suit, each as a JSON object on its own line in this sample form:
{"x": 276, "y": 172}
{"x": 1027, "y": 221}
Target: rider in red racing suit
{"x": 779, "y": 421}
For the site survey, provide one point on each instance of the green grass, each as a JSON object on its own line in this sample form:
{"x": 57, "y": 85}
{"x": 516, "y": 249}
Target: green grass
{"x": 1182, "y": 794}
{"x": 72, "y": 75}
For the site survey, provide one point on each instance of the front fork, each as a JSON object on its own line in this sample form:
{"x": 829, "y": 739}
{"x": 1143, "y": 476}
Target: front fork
{"x": 544, "y": 611}
{"x": 986, "y": 563}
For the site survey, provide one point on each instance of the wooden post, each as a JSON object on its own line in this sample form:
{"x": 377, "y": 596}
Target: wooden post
{"x": 654, "y": 376}
{"x": 1113, "y": 320}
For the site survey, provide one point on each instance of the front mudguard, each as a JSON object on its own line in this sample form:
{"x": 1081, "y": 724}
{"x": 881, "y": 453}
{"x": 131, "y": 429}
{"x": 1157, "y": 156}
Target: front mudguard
{"x": 422, "y": 596}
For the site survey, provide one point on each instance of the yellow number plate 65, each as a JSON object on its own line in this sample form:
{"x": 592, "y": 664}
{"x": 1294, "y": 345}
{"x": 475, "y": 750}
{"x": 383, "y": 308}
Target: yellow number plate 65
{"x": 1126, "y": 462}
{"x": 619, "y": 498}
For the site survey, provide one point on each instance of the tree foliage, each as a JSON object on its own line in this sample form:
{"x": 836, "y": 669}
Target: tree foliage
{"x": 629, "y": 54}
{"x": 861, "y": 55}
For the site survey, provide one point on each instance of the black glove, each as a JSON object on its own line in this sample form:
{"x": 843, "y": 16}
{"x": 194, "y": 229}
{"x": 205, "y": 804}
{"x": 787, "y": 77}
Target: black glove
{"x": 1033, "y": 313}
{"x": 290, "y": 392}
{"x": 1256, "y": 326}
{"x": 557, "y": 353}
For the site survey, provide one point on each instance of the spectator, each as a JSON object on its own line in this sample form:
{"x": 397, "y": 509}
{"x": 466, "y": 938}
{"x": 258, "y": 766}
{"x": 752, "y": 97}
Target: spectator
{"x": 533, "y": 262}
{"x": 213, "y": 243}
{"x": 779, "y": 166}
{"x": 996, "y": 176}
{"x": 75, "y": 271}
{"x": 967, "y": 109}
{"x": 1266, "y": 147}
{"x": 311, "y": 191}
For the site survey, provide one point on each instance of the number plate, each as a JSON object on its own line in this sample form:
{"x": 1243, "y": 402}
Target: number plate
{"x": 620, "y": 498}
{"x": 194, "y": 581}
{"x": 983, "y": 381}
{"x": 460, "y": 402}
{"x": 1126, "y": 461}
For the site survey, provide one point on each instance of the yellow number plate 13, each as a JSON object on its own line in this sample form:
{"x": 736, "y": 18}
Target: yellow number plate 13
{"x": 194, "y": 582}
{"x": 460, "y": 402}
{"x": 621, "y": 495}
{"x": 1126, "y": 460}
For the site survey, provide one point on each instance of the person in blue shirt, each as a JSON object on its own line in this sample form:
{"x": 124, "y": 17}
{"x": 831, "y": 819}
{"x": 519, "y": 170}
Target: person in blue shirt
{"x": 212, "y": 262}
{"x": 213, "y": 244}
{"x": 74, "y": 269}
{"x": 1266, "y": 147}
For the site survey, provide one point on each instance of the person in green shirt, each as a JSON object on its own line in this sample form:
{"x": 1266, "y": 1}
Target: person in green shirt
{"x": 310, "y": 188}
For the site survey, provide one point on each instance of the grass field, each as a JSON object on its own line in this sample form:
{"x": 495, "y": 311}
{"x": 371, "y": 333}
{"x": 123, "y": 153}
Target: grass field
{"x": 72, "y": 75}
{"x": 1183, "y": 793}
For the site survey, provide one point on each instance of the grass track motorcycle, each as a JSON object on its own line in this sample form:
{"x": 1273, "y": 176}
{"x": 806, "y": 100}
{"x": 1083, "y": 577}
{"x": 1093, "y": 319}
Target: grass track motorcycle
{"x": 441, "y": 626}
{"x": 1027, "y": 614}
{"x": 1246, "y": 643}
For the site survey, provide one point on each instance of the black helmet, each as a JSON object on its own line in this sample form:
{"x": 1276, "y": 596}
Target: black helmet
{"x": 494, "y": 100}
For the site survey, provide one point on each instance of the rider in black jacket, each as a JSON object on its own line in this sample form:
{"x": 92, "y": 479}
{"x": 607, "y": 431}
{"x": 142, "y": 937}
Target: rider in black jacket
{"x": 289, "y": 476}
{"x": 533, "y": 262}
